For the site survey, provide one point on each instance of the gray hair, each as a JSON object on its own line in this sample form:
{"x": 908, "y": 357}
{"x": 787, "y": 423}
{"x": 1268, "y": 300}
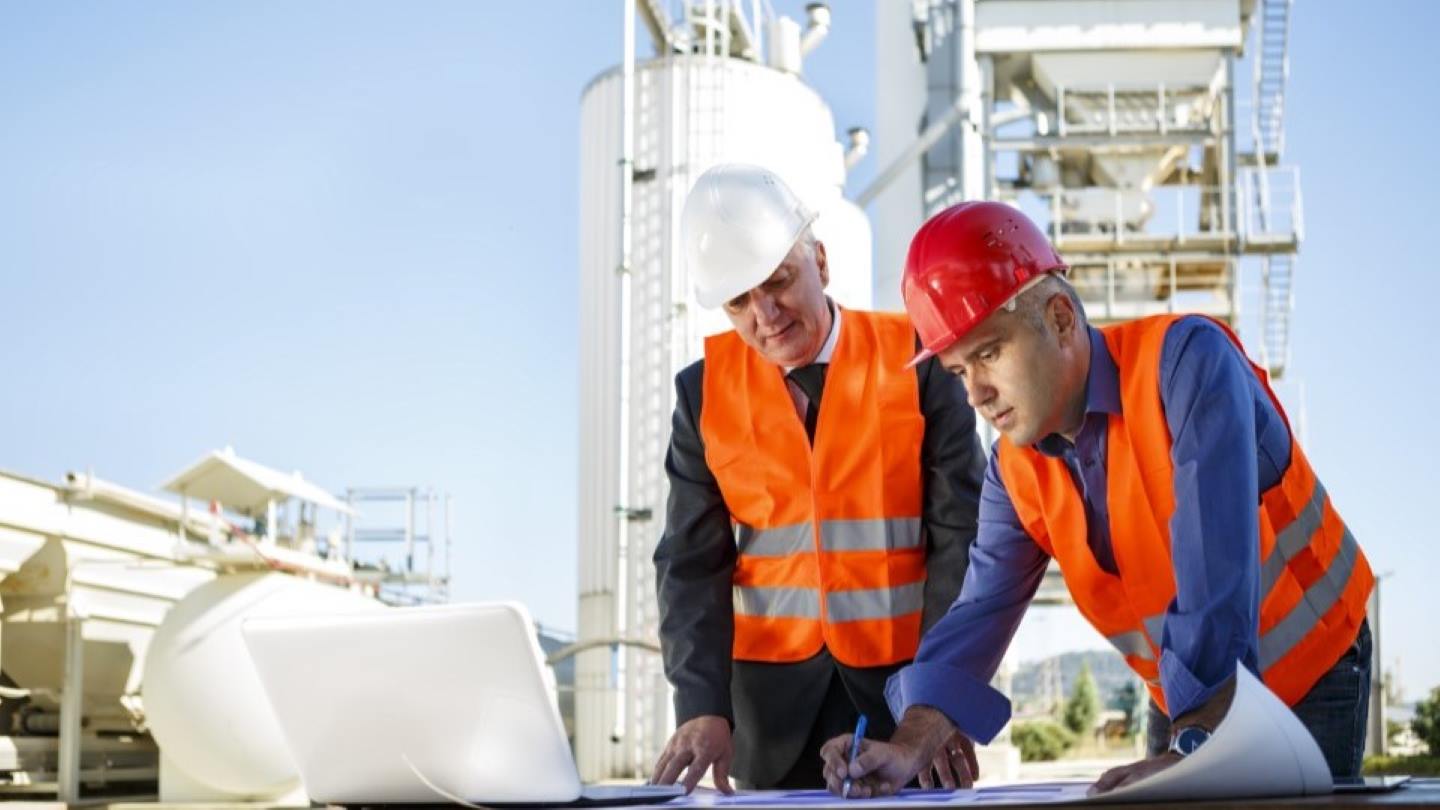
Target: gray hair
{"x": 1030, "y": 302}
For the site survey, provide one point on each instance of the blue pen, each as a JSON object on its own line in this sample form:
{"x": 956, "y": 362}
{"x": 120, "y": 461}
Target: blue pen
{"x": 854, "y": 752}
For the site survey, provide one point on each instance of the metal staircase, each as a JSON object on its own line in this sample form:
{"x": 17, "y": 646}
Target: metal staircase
{"x": 1272, "y": 71}
{"x": 1279, "y": 303}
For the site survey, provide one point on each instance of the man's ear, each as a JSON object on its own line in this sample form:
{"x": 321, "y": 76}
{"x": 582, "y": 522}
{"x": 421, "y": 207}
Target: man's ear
{"x": 822, "y": 263}
{"x": 1060, "y": 311}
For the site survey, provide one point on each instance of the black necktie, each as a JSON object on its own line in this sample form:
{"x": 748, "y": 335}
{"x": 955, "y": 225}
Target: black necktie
{"x": 811, "y": 380}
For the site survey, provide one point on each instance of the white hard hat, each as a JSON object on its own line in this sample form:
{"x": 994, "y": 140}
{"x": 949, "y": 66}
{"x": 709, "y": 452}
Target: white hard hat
{"x": 739, "y": 223}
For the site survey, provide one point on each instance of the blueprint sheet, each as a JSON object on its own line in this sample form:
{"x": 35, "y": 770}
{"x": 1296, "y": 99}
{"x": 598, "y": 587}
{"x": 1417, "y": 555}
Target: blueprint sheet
{"x": 1260, "y": 749}
{"x": 997, "y": 795}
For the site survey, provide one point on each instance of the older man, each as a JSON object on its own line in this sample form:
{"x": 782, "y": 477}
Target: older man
{"x": 809, "y": 538}
{"x": 1154, "y": 463}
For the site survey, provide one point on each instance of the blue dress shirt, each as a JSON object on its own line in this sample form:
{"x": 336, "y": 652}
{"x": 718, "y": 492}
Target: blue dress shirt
{"x": 1229, "y": 444}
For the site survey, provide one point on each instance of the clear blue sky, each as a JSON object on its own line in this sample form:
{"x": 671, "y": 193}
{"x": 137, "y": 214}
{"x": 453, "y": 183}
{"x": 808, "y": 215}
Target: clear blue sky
{"x": 342, "y": 238}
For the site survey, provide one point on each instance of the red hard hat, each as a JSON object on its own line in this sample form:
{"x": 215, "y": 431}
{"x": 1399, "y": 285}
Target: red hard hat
{"x": 964, "y": 264}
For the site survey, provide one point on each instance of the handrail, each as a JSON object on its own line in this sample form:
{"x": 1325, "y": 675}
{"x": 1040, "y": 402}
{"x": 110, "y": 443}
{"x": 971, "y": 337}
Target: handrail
{"x": 1182, "y": 211}
{"x": 1114, "y": 109}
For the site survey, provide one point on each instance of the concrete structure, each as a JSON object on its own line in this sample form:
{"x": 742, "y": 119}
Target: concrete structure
{"x": 1121, "y": 127}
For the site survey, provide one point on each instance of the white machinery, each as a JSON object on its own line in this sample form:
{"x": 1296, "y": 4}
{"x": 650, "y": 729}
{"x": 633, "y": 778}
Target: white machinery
{"x": 724, "y": 86}
{"x": 121, "y": 658}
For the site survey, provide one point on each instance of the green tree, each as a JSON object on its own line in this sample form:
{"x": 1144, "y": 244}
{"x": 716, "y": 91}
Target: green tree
{"x": 1084, "y": 704}
{"x": 1127, "y": 699}
{"x": 1040, "y": 741}
{"x": 1426, "y": 724}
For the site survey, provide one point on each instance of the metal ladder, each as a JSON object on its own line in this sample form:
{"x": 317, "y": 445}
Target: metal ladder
{"x": 1268, "y": 129}
{"x": 1279, "y": 303}
{"x": 1273, "y": 69}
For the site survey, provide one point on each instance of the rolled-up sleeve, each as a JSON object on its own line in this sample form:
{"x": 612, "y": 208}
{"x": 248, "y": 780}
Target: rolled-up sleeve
{"x": 959, "y": 655}
{"x": 1213, "y": 405}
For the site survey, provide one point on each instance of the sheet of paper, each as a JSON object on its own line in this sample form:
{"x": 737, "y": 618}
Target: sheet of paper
{"x": 1260, "y": 749}
{"x": 993, "y": 796}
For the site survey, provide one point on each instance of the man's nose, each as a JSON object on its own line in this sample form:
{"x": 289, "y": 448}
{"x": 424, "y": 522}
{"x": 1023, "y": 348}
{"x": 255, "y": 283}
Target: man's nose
{"x": 766, "y": 310}
{"x": 977, "y": 390}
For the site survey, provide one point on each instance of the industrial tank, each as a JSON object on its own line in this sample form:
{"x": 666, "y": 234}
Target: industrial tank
{"x": 203, "y": 700}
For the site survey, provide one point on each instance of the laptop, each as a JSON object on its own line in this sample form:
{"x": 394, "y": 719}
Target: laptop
{"x": 450, "y": 703}
{"x": 1369, "y": 784}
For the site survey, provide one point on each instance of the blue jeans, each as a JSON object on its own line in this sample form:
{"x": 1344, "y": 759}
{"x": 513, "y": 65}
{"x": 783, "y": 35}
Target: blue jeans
{"x": 1335, "y": 711}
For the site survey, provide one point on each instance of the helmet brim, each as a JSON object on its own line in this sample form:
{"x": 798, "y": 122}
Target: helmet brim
{"x": 925, "y": 354}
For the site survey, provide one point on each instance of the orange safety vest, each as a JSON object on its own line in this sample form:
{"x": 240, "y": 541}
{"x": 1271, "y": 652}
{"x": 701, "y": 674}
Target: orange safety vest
{"x": 1314, "y": 580}
{"x": 829, "y": 540}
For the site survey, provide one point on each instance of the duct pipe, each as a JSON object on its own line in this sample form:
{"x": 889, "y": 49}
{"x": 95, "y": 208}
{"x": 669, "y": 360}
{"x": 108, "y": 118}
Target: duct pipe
{"x": 967, "y": 72}
{"x": 859, "y": 147}
{"x": 927, "y": 139}
{"x": 627, "y": 188}
{"x": 962, "y": 111}
{"x": 657, "y": 19}
{"x": 818, "y": 27}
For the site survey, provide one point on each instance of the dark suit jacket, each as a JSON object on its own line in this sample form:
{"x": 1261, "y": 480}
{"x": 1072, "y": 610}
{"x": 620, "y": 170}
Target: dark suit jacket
{"x": 772, "y": 706}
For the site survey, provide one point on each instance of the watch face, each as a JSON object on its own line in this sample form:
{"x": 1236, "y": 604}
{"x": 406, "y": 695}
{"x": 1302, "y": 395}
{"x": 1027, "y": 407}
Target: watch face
{"x": 1189, "y": 739}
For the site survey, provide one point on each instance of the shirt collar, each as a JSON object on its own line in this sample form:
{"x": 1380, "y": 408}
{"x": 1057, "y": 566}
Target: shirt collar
{"x": 828, "y": 349}
{"x": 1102, "y": 388}
{"x": 1102, "y": 391}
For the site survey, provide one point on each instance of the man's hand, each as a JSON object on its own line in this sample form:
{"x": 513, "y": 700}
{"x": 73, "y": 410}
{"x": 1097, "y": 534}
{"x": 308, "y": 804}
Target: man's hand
{"x": 700, "y": 743}
{"x": 954, "y": 765}
{"x": 883, "y": 768}
{"x": 1207, "y": 716}
{"x": 1134, "y": 772}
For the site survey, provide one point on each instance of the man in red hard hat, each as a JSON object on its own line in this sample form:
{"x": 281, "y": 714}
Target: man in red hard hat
{"x": 1152, "y": 461}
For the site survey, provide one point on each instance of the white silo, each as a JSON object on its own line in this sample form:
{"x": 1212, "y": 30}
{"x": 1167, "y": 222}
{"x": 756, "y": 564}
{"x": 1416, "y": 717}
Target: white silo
{"x": 647, "y": 131}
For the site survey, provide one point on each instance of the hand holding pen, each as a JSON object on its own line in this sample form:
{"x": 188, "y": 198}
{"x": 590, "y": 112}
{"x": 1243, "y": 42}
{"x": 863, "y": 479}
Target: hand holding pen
{"x": 854, "y": 752}
{"x": 861, "y": 769}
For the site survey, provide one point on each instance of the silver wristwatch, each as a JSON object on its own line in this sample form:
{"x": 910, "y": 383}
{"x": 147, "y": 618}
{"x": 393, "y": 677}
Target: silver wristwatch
{"x": 1185, "y": 741}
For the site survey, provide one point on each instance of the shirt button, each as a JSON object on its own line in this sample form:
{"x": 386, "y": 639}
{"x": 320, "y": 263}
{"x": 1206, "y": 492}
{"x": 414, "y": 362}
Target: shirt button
{"x": 1089, "y": 462}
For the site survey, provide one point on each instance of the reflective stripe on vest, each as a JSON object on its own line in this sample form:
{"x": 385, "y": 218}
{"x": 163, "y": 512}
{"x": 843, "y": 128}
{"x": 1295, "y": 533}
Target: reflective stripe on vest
{"x": 1132, "y": 642}
{"x": 1307, "y": 614}
{"x": 875, "y": 603}
{"x": 1294, "y": 539}
{"x": 779, "y": 603}
{"x": 841, "y": 606}
{"x": 884, "y": 534}
{"x": 779, "y": 542}
{"x": 830, "y": 550}
{"x": 1140, "y": 644}
{"x": 1314, "y": 579}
